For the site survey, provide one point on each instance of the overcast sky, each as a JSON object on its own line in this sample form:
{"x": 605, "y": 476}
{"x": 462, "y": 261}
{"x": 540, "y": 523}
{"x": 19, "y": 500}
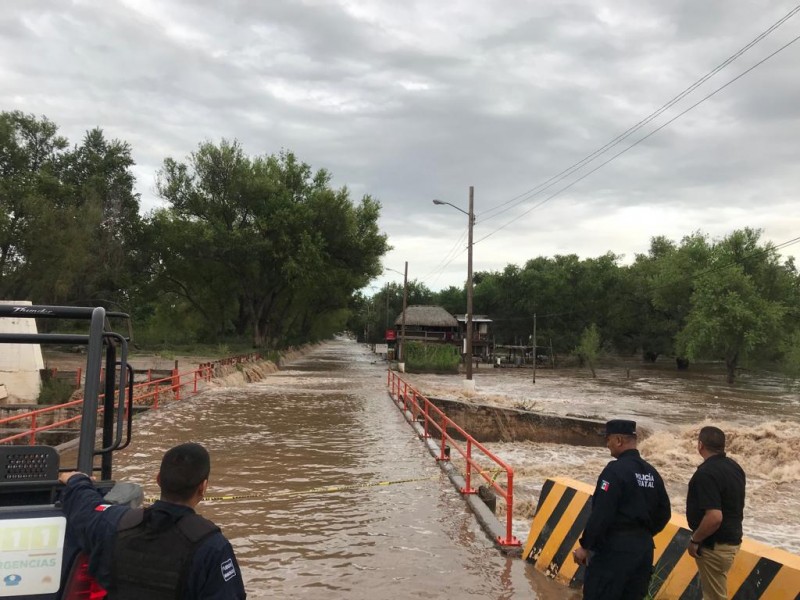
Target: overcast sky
{"x": 414, "y": 100}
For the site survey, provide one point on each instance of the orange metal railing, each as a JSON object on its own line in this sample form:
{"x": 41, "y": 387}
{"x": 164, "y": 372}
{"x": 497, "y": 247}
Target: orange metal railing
{"x": 433, "y": 420}
{"x": 151, "y": 392}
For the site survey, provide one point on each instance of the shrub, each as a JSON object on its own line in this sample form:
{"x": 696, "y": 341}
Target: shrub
{"x": 435, "y": 358}
{"x": 55, "y": 391}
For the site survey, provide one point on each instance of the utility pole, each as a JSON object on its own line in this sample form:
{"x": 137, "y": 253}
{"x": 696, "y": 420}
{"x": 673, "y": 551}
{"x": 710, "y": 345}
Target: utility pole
{"x": 534, "y": 347}
{"x": 386, "y": 292}
{"x": 468, "y": 383}
{"x": 471, "y": 216}
{"x": 402, "y": 354}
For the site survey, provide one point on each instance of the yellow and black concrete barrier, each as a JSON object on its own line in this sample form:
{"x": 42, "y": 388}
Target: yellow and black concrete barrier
{"x": 758, "y": 572}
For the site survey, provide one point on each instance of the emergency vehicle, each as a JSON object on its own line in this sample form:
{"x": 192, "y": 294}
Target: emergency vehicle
{"x": 38, "y": 559}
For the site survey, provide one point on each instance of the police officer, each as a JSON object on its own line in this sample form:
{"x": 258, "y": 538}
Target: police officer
{"x": 629, "y": 506}
{"x": 166, "y": 551}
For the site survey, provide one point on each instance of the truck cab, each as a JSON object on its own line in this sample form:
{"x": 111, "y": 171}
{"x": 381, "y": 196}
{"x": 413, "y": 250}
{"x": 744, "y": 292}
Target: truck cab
{"x": 39, "y": 559}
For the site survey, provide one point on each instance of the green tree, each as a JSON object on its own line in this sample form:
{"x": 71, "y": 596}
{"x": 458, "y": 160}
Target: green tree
{"x": 588, "y": 350}
{"x": 285, "y": 250}
{"x": 790, "y": 361}
{"x": 452, "y": 299}
{"x": 69, "y": 216}
{"x": 29, "y": 150}
{"x": 738, "y": 305}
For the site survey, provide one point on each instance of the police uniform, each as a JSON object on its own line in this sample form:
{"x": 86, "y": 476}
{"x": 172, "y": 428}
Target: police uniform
{"x": 201, "y": 563}
{"x": 629, "y": 506}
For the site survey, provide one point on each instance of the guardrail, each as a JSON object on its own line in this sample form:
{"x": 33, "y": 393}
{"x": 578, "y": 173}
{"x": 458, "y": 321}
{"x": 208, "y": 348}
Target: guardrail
{"x": 150, "y": 393}
{"x": 434, "y": 420}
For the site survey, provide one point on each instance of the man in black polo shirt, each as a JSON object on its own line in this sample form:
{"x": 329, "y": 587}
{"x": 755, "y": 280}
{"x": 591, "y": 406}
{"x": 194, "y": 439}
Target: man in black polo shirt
{"x": 629, "y": 506}
{"x": 714, "y": 511}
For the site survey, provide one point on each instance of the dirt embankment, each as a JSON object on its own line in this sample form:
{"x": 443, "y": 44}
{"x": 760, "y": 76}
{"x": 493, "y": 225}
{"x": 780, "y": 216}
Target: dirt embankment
{"x": 225, "y": 372}
{"x": 232, "y": 375}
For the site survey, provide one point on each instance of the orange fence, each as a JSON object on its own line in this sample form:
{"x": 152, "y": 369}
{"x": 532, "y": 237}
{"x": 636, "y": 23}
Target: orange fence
{"x": 74, "y": 376}
{"x": 436, "y": 424}
{"x": 146, "y": 393}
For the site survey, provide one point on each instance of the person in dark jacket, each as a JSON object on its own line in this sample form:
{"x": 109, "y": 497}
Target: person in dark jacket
{"x": 629, "y": 506}
{"x": 714, "y": 511}
{"x": 166, "y": 551}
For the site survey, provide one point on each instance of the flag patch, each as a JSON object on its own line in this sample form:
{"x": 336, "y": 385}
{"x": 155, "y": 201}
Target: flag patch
{"x": 102, "y": 507}
{"x": 604, "y": 485}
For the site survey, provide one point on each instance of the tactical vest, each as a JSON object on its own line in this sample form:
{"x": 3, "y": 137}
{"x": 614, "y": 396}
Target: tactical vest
{"x": 154, "y": 564}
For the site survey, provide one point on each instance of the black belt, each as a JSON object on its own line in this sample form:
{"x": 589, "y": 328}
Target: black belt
{"x": 628, "y": 528}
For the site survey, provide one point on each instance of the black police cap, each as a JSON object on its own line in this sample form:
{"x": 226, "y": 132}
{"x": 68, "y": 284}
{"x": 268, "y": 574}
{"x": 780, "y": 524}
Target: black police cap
{"x": 620, "y": 427}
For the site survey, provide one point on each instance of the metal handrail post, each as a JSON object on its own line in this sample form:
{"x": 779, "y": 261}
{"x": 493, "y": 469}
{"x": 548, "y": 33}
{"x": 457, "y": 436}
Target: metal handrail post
{"x": 33, "y": 429}
{"x": 467, "y": 489}
{"x": 442, "y": 454}
{"x": 510, "y": 540}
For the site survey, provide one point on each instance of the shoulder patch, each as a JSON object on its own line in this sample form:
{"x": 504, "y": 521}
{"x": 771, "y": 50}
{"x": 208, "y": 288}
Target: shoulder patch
{"x": 604, "y": 485}
{"x": 102, "y": 507}
{"x": 228, "y": 570}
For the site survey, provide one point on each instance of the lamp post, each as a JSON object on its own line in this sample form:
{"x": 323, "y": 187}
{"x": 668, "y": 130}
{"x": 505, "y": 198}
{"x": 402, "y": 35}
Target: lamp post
{"x": 471, "y": 223}
{"x": 401, "y": 346}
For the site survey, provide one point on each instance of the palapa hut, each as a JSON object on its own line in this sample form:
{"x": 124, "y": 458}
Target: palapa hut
{"x": 428, "y": 324}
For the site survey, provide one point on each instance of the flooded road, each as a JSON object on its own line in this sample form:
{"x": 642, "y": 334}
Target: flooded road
{"x": 326, "y": 422}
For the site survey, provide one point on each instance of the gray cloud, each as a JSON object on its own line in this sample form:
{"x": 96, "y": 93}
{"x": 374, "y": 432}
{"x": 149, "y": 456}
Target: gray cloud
{"x": 415, "y": 100}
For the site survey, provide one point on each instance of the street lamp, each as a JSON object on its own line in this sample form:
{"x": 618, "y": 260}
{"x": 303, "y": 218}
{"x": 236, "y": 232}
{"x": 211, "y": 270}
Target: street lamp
{"x": 401, "y": 346}
{"x": 471, "y": 222}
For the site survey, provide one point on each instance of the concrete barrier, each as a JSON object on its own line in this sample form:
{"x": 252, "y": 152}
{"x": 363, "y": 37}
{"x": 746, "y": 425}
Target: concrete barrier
{"x": 758, "y": 572}
{"x": 487, "y": 423}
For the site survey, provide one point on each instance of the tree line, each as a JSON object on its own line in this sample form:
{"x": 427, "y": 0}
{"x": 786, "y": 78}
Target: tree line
{"x": 734, "y": 300}
{"x": 264, "y": 249}
{"x": 243, "y": 247}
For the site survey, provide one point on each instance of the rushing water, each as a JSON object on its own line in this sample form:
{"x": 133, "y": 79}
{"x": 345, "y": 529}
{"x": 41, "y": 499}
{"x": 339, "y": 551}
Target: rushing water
{"x": 328, "y": 423}
{"x": 759, "y": 415}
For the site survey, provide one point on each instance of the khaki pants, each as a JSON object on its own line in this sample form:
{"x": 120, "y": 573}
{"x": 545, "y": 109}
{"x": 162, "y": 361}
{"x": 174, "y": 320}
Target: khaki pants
{"x": 713, "y": 566}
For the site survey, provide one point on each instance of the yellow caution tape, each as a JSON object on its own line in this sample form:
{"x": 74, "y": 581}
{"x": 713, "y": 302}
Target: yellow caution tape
{"x": 317, "y": 490}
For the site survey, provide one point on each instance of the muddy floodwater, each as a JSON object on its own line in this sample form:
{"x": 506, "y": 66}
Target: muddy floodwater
{"x": 303, "y": 451}
{"x": 760, "y": 416}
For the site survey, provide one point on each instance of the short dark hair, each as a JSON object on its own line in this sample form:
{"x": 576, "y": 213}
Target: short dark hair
{"x": 183, "y": 468}
{"x": 713, "y": 438}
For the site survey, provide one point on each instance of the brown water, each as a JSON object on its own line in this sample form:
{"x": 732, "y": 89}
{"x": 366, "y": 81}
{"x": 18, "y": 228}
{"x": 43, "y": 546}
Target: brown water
{"x": 759, "y": 415}
{"x": 328, "y": 422}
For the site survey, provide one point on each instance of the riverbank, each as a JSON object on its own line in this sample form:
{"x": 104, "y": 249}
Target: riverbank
{"x": 233, "y": 375}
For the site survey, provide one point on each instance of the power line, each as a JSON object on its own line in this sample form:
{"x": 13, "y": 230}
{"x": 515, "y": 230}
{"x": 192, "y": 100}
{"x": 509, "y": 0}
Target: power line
{"x": 591, "y": 157}
{"x": 439, "y": 269}
{"x": 640, "y": 140}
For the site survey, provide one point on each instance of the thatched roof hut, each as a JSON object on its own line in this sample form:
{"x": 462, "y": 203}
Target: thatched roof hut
{"x": 427, "y": 316}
